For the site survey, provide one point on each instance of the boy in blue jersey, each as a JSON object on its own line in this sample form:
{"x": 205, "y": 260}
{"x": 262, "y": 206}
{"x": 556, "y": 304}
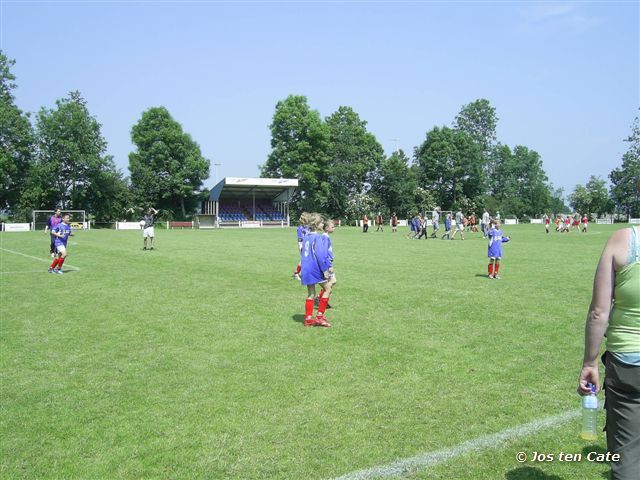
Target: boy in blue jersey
{"x": 496, "y": 239}
{"x": 61, "y": 233}
{"x": 303, "y": 229}
{"x": 447, "y": 227}
{"x": 317, "y": 268}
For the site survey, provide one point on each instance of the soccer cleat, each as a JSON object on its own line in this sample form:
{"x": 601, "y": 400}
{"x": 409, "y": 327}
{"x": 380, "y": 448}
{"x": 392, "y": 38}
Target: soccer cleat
{"x": 309, "y": 322}
{"x": 491, "y": 277}
{"x": 59, "y": 272}
{"x": 497, "y": 277}
{"x": 296, "y": 276}
{"x": 50, "y": 270}
{"x": 321, "y": 321}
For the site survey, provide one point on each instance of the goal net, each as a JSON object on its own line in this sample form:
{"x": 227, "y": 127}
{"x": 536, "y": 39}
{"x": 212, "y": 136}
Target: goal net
{"x": 77, "y": 219}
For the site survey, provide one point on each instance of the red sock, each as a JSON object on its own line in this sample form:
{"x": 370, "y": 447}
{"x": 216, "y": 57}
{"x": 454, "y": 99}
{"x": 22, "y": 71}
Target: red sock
{"x": 298, "y": 268}
{"x": 490, "y": 268}
{"x": 321, "y": 293}
{"x": 54, "y": 263}
{"x": 308, "y": 307}
{"x": 323, "y": 305}
{"x": 60, "y": 262}
{"x": 497, "y": 267}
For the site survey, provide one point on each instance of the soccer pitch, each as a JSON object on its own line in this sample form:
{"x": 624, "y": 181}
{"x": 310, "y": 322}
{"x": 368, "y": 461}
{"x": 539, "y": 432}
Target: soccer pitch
{"x": 191, "y": 361}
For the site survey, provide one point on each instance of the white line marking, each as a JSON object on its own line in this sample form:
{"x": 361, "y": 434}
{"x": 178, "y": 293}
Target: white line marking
{"x": 413, "y": 465}
{"x": 37, "y": 258}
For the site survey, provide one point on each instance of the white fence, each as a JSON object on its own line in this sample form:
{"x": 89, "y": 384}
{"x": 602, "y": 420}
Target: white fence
{"x": 635, "y": 221}
{"x": 16, "y": 227}
{"x": 604, "y": 221}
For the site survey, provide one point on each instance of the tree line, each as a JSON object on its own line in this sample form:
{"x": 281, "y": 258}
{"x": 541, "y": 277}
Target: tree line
{"x": 343, "y": 171}
{"x": 61, "y": 160}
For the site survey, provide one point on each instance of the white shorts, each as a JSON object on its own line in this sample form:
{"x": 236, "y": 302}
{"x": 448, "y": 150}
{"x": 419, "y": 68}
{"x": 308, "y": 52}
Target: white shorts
{"x": 61, "y": 249}
{"x": 460, "y": 226}
{"x": 147, "y": 232}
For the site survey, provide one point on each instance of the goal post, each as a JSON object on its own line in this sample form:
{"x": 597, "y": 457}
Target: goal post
{"x": 77, "y": 219}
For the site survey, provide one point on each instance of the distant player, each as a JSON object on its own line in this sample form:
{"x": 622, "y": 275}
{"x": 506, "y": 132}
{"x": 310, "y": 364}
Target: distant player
{"x": 459, "y": 225}
{"x": 148, "y": 230}
{"x": 379, "y": 222}
{"x": 447, "y": 227}
{"x": 365, "y": 223}
{"x": 317, "y": 269}
{"x": 576, "y": 221}
{"x": 394, "y": 223}
{"x": 61, "y": 233}
{"x": 585, "y": 223}
{"x": 485, "y": 223}
{"x": 303, "y": 229}
{"x": 495, "y": 248}
{"x": 422, "y": 228}
{"x": 414, "y": 224}
{"x": 547, "y": 221}
{"x": 52, "y": 222}
{"x": 435, "y": 221}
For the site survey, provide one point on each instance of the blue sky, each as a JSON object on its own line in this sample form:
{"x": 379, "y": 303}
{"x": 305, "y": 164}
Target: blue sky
{"x": 563, "y": 76}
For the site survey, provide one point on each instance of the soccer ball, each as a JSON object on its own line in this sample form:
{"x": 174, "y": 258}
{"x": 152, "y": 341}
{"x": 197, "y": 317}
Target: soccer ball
{"x": 141, "y": 224}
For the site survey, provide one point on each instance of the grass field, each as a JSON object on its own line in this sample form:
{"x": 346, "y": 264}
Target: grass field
{"x": 191, "y": 361}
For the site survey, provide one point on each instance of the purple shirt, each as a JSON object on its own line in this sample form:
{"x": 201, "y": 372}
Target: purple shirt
{"x": 495, "y": 243}
{"x": 54, "y": 221}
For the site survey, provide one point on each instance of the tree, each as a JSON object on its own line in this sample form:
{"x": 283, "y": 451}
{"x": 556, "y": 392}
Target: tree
{"x": 355, "y": 157}
{"x": 72, "y": 169}
{"x": 450, "y": 165}
{"x": 299, "y": 149}
{"x": 359, "y": 204}
{"x": 625, "y": 180}
{"x": 580, "y": 200}
{"x": 520, "y": 182}
{"x": 591, "y": 198}
{"x": 479, "y": 120}
{"x": 16, "y": 140}
{"x": 396, "y": 185}
{"x": 167, "y": 168}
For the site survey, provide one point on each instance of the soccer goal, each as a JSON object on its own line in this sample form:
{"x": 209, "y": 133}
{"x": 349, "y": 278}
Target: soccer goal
{"x": 77, "y": 219}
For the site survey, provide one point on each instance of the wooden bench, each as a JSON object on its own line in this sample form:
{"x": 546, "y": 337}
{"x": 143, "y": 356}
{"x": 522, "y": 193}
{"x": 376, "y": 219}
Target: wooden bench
{"x": 180, "y": 225}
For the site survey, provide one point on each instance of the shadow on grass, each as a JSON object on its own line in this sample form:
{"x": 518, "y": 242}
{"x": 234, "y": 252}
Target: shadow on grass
{"x": 529, "y": 473}
{"x": 483, "y": 275}
{"x": 298, "y": 317}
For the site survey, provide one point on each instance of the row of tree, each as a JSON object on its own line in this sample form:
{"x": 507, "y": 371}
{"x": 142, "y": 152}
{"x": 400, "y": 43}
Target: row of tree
{"x": 342, "y": 168}
{"x": 62, "y": 160}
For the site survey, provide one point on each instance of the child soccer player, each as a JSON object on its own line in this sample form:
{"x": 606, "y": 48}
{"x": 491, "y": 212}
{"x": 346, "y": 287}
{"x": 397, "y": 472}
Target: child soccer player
{"x": 394, "y": 222}
{"x": 303, "y": 229}
{"x": 61, "y": 232}
{"x": 447, "y": 227}
{"x": 317, "y": 269}
{"x": 148, "y": 230}
{"x": 435, "y": 219}
{"x": 585, "y": 223}
{"x": 546, "y": 220}
{"x": 495, "y": 248}
{"x": 459, "y": 225}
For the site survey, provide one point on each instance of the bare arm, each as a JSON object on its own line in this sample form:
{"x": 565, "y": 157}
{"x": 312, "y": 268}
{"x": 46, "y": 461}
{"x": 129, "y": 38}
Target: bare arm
{"x": 598, "y": 316}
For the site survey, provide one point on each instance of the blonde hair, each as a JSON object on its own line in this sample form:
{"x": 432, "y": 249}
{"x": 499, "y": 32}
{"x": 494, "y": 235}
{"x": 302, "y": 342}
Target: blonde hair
{"x": 304, "y": 218}
{"x": 316, "y": 221}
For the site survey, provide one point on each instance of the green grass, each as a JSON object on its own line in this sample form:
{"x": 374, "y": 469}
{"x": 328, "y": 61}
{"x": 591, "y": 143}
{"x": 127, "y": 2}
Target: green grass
{"x": 191, "y": 361}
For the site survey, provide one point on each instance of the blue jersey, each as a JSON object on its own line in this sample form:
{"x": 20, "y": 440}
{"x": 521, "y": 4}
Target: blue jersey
{"x": 316, "y": 258}
{"x": 65, "y": 230}
{"x": 302, "y": 231}
{"x": 495, "y": 243}
{"x": 447, "y": 224}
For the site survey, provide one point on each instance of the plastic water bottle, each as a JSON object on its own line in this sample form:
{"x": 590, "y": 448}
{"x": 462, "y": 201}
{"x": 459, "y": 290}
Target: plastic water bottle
{"x": 590, "y": 415}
